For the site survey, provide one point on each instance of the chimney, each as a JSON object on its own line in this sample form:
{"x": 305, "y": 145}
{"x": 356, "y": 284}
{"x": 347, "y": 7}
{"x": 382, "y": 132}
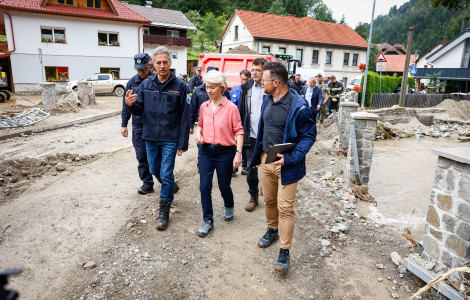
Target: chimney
{"x": 148, "y": 3}
{"x": 444, "y": 40}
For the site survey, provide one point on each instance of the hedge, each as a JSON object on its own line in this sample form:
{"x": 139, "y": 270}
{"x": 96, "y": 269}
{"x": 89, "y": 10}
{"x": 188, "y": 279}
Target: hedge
{"x": 389, "y": 83}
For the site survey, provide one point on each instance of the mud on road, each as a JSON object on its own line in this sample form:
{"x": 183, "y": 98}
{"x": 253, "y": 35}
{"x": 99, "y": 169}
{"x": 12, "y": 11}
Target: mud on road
{"x": 91, "y": 212}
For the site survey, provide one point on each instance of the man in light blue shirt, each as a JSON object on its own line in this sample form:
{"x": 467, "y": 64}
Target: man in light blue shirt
{"x": 236, "y": 91}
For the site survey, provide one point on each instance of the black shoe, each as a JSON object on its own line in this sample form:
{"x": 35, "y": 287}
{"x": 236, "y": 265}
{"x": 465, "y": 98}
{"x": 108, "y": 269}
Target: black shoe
{"x": 176, "y": 188}
{"x": 270, "y": 236}
{"x": 145, "y": 189}
{"x": 283, "y": 261}
{"x": 164, "y": 215}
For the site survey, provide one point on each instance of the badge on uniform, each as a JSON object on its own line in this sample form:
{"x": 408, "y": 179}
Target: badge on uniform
{"x": 188, "y": 99}
{"x": 139, "y": 61}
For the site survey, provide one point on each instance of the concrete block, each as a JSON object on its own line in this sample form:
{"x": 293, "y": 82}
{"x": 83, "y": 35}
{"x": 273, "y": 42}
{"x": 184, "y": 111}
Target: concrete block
{"x": 449, "y": 222}
{"x": 462, "y": 168}
{"x": 460, "y": 154}
{"x": 433, "y": 217}
{"x": 444, "y": 163}
{"x": 463, "y": 211}
{"x": 457, "y": 244}
{"x": 432, "y": 246}
{"x": 444, "y": 202}
{"x": 463, "y": 231}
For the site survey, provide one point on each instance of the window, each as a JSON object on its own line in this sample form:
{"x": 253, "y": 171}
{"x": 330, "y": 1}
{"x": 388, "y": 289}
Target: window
{"x": 282, "y": 50}
{"x": 93, "y": 3}
{"x": 108, "y": 38}
{"x": 346, "y": 59}
{"x": 146, "y": 30}
{"x": 53, "y": 35}
{"x": 69, "y": 2}
{"x": 57, "y": 73}
{"x": 298, "y": 54}
{"x": 266, "y": 49}
{"x": 315, "y": 57}
{"x": 236, "y": 33}
{"x": 355, "y": 57}
{"x": 92, "y": 78}
{"x": 328, "y": 57}
{"x": 345, "y": 81}
{"x": 115, "y": 71}
{"x": 173, "y": 33}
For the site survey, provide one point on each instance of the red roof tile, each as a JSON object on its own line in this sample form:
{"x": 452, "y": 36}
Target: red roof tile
{"x": 307, "y": 29}
{"x": 396, "y": 63}
{"x": 122, "y": 12}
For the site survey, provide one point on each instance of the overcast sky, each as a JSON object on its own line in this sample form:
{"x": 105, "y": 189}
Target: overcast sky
{"x": 360, "y": 11}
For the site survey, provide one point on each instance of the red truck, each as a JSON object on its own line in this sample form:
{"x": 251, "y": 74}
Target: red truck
{"x": 230, "y": 64}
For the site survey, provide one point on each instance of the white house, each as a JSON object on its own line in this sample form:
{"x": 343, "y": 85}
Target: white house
{"x": 332, "y": 49}
{"x": 61, "y": 40}
{"x": 168, "y": 28}
{"x": 452, "y": 63}
{"x": 422, "y": 61}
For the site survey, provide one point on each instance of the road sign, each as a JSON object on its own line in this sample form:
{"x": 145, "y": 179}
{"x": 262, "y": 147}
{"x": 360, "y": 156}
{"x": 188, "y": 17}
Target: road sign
{"x": 413, "y": 70}
{"x": 380, "y": 58}
{"x": 380, "y": 67}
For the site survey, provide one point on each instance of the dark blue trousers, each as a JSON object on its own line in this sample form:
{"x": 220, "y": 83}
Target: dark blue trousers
{"x": 141, "y": 155}
{"x": 218, "y": 158}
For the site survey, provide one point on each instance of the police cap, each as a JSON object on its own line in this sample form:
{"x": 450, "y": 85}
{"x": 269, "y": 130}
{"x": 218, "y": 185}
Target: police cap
{"x": 141, "y": 60}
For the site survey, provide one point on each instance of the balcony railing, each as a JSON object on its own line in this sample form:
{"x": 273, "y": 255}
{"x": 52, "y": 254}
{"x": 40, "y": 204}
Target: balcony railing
{"x": 166, "y": 40}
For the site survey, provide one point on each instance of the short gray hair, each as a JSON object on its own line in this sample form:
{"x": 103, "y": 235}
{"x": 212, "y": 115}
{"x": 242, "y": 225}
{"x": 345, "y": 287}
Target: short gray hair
{"x": 312, "y": 78}
{"x": 216, "y": 77}
{"x": 161, "y": 50}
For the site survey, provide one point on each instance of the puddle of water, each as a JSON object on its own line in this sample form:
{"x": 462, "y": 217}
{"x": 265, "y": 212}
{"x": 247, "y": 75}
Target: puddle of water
{"x": 402, "y": 177}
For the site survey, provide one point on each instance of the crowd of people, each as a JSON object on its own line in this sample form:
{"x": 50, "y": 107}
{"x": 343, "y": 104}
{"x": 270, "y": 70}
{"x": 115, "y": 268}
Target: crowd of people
{"x": 231, "y": 129}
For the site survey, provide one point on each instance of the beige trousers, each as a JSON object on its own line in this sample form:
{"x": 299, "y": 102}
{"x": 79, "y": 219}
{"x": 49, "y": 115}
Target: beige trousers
{"x": 279, "y": 202}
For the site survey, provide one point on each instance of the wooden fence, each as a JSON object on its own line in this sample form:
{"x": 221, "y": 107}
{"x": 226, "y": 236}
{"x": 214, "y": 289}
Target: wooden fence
{"x": 413, "y": 100}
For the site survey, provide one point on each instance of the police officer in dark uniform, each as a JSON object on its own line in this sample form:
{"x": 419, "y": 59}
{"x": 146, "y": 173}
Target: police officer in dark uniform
{"x": 196, "y": 80}
{"x": 142, "y": 66}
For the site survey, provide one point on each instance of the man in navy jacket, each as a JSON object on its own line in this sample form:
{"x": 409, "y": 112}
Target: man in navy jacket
{"x": 313, "y": 94}
{"x": 163, "y": 101}
{"x": 285, "y": 118}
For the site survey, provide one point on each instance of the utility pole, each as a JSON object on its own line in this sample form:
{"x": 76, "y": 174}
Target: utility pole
{"x": 368, "y": 56}
{"x": 404, "y": 80}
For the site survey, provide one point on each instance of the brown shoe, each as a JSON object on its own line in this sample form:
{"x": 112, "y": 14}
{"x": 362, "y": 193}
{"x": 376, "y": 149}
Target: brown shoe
{"x": 252, "y": 204}
{"x": 243, "y": 172}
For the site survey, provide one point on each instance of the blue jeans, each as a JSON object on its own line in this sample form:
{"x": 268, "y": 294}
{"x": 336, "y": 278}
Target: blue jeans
{"x": 220, "y": 159}
{"x": 166, "y": 165}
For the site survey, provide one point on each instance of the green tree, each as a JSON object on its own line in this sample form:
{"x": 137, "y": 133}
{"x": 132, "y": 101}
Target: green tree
{"x": 260, "y": 5}
{"x": 451, "y": 4}
{"x": 295, "y": 7}
{"x": 319, "y": 10}
{"x": 361, "y": 29}
{"x": 277, "y": 8}
{"x": 342, "y": 21}
{"x": 374, "y": 52}
{"x": 213, "y": 28}
{"x": 197, "y": 20}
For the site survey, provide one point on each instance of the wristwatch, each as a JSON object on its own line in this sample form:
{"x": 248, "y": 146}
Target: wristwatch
{"x": 239, "y": 151}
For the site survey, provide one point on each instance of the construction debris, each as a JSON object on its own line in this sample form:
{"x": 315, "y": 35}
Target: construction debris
{"x": 34, "y": 116}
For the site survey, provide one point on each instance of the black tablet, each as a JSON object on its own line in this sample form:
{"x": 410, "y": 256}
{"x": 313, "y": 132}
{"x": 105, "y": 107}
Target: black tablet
{"x": 278, "y": 148}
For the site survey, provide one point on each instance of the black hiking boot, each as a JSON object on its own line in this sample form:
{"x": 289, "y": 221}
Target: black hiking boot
{"x": 282, "y": 264}
{"x": 145, "y": 189}
{"x": 164, "y": 215}
{"x": 270, "y": 236}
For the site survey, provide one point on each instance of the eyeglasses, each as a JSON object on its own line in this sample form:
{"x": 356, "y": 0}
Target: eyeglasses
{"x": 256, "y": 70}
{"x": 263, "y": 81}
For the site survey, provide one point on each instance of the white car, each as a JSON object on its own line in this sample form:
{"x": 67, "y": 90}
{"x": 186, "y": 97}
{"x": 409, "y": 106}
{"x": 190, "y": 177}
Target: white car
{"x": 102, "y": 83}
{"x": 352, "y": 83}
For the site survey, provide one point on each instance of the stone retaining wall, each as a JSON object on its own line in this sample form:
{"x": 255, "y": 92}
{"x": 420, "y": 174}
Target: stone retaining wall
{"x": 447, "y": 231}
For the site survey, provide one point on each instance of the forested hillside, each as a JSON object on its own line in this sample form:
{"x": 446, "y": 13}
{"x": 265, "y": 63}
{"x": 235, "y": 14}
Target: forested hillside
{"x": 430, "y": 24}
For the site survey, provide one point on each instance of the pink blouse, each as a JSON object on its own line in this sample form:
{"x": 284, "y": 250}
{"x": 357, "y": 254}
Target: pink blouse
{"x": 222, "y": 125}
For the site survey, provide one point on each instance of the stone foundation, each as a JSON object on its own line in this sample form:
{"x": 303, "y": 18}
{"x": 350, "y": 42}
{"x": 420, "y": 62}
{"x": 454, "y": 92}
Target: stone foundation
{"x": 447, "y": 231}
{"x": 49, "y": 101}
{"x": 366, "y": 125}
{"x": 345, "y": 110}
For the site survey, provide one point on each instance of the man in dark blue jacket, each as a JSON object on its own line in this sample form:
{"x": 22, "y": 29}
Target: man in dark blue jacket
{"x": 313, "y": 94}
{"x": 164, "y": 103}
{"x": 285, "y": 118}
{"x": 142, "y": 66}
{"x": 196, "y": 80}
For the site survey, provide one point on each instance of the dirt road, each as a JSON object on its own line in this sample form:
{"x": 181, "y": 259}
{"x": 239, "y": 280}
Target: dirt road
{"x": 51, "y": 222}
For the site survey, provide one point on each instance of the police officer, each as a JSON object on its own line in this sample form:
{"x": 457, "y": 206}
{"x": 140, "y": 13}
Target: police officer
{"x": 164, "y": 102}
{"x": 142, "y": 66}
{"x": 196, "y": 80}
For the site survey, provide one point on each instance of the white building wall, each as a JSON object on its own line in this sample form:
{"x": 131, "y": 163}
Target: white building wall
{"x": 423, "y": 61}
{"x": 81, "y": 53}
{"x": 179, "y": 63}
{"x": 244, "y": 36}
{"x": 450, "y": 59}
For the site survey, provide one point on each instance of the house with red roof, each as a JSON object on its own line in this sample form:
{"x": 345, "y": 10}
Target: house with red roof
{"x": 329, "y": 48}
{"x": 61, "y": 40}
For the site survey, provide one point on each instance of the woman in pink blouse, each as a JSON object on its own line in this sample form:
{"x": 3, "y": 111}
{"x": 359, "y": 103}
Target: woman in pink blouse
{"x": 220, "y": 134}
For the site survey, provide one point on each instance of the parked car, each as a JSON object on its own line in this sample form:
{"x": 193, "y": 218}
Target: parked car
{"x": 102, "y": 83}
{"x": 356, "y": 81}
